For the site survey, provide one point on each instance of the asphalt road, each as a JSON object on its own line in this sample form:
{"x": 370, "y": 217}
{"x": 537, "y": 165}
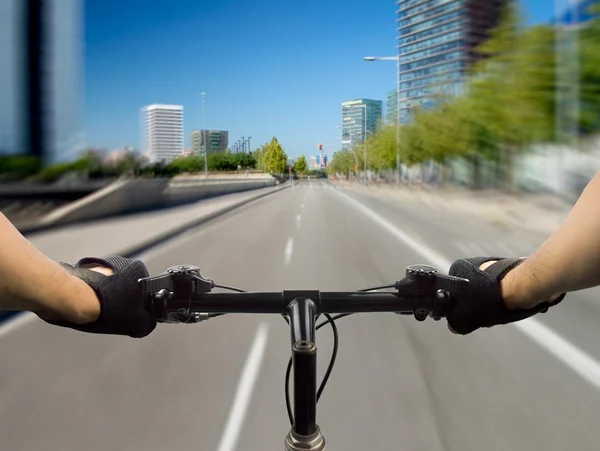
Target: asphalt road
{"x": 398, "y": 384}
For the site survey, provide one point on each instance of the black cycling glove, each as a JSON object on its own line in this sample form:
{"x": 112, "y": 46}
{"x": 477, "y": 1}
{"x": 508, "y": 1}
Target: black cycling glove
{"x": 482, "y": 304}
{"x": 121, "y": 301}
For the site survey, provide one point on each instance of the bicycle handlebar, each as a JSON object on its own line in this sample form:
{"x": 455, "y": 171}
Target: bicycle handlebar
{"x": 183, "y": 295}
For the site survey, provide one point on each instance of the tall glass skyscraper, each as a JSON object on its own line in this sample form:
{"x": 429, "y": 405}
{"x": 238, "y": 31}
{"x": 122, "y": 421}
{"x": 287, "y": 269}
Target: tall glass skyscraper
{"x": 436, "y": 44}
{"x": 360, "y": 118}
{"x": 41, "y": 78}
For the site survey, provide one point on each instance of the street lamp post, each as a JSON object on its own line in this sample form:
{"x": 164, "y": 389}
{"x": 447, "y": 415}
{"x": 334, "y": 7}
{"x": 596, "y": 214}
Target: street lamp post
{"x": 249, "y": 143}
{"x": 204, "y": 139}
{"x": 397, "y": 59}
{"x": 243, "y": 144}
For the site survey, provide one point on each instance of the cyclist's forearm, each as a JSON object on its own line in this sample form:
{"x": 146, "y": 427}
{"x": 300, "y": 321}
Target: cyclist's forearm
{"x": 31, "y": 281}
{"x": 569, "y": 260}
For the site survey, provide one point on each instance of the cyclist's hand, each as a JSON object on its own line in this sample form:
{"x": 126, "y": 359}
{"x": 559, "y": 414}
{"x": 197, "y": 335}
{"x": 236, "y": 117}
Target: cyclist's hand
{"x": 121, "y": 301}
{"x": 482, "y": 305}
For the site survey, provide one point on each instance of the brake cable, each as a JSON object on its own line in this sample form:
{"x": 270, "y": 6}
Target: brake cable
{"x": 329, "y": 320}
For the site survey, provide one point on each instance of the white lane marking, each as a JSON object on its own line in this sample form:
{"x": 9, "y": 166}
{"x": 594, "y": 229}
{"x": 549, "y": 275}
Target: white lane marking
{"x": 420, "y": 248}
{"x": 302, "y": 205}
{"x": 580, "y": 362}
{"x": 289, "y": 250}
{"x": 584, "y": 365}
{"x": 16, "y": 322}
{"x": 298, "y": 221}
{"x": 241, "y": 401}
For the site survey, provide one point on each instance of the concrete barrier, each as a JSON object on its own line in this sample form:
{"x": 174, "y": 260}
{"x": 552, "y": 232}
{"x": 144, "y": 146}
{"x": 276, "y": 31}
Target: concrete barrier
{"x": 184, "y": 189}
{"x": 126, "y": 196}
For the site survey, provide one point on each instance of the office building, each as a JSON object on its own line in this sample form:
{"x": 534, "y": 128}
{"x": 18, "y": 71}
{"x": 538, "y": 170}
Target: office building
{"x": 313, "y": 162}
{"x": 360, "y": 118}
{"x": 436, "y": 45}
{"x": 323, "y": 161}
{"x": 41, "y": 78}
{"x": 162, "y": 132}
{"x": 196, "y": 143}
{"x": 391, "y": 107}
{"x": 216, "y": 140}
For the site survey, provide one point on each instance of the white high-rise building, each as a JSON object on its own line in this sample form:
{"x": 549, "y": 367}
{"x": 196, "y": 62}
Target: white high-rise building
{"x": 162, "y": 132}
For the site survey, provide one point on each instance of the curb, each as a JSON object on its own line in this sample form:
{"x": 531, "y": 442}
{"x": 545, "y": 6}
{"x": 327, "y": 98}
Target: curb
{"x": 137, "y": 249}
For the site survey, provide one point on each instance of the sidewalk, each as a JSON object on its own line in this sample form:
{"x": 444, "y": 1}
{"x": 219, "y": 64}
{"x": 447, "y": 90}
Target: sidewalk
{"x": 129, "y": 234}
{"x": 541, "y": 213}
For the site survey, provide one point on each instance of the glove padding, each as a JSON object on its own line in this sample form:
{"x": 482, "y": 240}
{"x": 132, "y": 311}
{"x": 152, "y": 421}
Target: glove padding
{"x": 482, "y": 305}
{"x": 121, "y": 300}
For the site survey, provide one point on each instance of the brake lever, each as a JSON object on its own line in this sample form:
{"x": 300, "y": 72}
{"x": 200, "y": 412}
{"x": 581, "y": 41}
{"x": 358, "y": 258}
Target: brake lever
{"x": 183, "y": 280}
{"x": 424, "y": 281}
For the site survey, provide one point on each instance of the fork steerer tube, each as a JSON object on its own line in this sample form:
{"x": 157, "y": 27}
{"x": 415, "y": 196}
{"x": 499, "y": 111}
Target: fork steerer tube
{"x": 302, "y": 313}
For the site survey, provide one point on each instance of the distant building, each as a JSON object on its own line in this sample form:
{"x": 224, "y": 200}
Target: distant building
{"x": 162, "y": 132}
{"x": 360, "y": 118}
{"x": 323, "y": 161}
{"x": 436, "y": 45}
{"x": 121, "y": 154}
{"x": 216, "y": 140}
{"x": 196, "y": 143}
{"x": 313, "y": 163}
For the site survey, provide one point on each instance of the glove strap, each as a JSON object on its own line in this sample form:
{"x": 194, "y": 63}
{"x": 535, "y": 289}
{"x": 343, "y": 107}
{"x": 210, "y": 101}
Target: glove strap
{"x": 502, "y": 267}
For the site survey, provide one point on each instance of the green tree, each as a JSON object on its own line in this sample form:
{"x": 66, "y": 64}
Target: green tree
{"x": 17, "y": 167}
{"x": 275, "y": 158}
{"x": 343, "y": 162}
{"x": 300, "y": 165}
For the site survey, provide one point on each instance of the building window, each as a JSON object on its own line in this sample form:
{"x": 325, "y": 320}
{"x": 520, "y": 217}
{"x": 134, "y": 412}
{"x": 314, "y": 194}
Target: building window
{"x": 431, "y": 42}
{"x": 432, "y": 70}
{"x": 432, "y": 60}
{"x": 431, "y": 23}
{"x": 431, "y": 11}
{"x": 431, "y": 51}
{"x": 454, "y": 25}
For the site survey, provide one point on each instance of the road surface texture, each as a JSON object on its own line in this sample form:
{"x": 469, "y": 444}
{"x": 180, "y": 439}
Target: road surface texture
{"x": 398, "y": 384}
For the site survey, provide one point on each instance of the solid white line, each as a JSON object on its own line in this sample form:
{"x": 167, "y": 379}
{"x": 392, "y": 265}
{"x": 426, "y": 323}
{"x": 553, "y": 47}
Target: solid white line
{"x": 289, "y": 250}
{"x": 16, "y": 322}
{"x": 238, "y": 411}
{"x": 580, "y": 362}
{"x": 584, "y": 365}
{"x": 298, "y": 221}
{"x": 427, "y": 253}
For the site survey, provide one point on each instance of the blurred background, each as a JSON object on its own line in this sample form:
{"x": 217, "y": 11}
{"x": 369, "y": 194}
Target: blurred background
{"x": 323, "y": 145}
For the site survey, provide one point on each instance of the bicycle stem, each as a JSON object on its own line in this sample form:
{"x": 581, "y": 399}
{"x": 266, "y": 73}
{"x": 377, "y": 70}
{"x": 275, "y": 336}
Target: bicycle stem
{"x": 305, "y": 433}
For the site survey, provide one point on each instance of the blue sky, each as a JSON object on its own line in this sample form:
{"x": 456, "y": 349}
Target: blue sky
{"x": 268, "y": 67}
